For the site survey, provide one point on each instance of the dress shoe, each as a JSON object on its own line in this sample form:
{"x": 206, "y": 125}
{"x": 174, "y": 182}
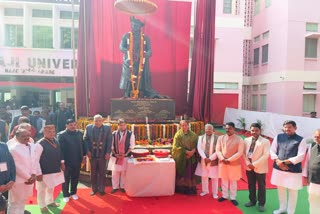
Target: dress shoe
{"x": 92, "y": 193}
{"x": 66, "y": 199}
{"x": 234, "y": 202}
{"x": 215, "y": 196}
{"x": 203, "y": 193}
{"x": 102, "y": 193}
{"x": 122, "y": 190}
{"x": 261, "y": 208}
{"x": 54, "y": 204}
{"x": 250, "y": 204}
{"x": 114, "y": 190}
{"x": 74, "y": 197}
{"x": 26, "y": 212}
{"x": 279, "y": 211}
{"x": 222, "y": 199}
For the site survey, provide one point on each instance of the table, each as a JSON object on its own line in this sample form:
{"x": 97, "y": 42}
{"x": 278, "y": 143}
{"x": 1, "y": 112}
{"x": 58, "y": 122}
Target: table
{"x": 154, "y": 178}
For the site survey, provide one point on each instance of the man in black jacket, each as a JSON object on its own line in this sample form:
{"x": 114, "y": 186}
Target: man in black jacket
{"x": 73, "y": 151}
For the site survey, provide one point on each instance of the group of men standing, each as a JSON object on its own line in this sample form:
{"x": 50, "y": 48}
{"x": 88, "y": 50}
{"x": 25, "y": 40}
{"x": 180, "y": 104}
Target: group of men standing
{"x": 220, "y": 157}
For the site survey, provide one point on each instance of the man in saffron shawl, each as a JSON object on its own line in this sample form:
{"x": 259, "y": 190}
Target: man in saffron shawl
{"x": 183, "y": 152}
{"x": 137, "y": 51}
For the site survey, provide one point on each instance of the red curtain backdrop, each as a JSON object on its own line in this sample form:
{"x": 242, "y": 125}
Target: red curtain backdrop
{"x": 201, "y": 81}
{"x": 101, "y": 28}
{"x": 220, "y": 102}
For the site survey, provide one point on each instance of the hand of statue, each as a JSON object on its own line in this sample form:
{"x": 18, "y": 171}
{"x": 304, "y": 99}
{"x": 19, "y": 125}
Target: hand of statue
{"x": 40, "y": 178}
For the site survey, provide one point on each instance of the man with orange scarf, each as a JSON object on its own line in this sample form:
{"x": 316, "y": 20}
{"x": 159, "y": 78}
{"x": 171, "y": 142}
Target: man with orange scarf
{"x": 123, "y": 141}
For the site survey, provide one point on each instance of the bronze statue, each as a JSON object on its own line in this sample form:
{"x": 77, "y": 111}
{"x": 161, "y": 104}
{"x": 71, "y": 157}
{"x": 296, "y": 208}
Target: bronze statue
{"x": 135, "y": 76}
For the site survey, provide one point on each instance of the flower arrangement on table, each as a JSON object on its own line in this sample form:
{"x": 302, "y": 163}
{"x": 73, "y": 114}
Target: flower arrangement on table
{"x": 159, "y": 142}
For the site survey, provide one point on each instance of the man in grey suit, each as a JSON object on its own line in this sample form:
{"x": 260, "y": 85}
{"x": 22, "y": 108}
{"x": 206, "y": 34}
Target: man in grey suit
{"x": 98, "y": 138}
{"x": 256, "y": 154}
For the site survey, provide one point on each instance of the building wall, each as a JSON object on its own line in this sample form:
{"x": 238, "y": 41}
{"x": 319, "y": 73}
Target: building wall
{"x": 287, "y": 68}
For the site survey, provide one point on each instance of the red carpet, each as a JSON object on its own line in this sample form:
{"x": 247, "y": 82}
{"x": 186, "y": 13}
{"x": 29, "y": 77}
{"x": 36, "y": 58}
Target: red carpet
{"x": 121, "y": 203}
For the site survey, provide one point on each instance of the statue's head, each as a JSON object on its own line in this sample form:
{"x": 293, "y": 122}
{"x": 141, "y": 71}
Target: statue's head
{"x": 136, "y": 24}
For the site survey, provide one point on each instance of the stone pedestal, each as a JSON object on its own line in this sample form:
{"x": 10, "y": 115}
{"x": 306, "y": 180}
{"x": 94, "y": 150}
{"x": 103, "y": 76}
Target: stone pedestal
{"x": 139, "y": 109}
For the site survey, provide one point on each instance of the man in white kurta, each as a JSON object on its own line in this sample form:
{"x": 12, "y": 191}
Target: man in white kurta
{"x": 256, "y": 154}
{"x": 48, "y": 154}
{"x": 208, "y": 166}
{"x": 229, "y": 150}
{"x": 123, "y": 141}
{"x": 27, "y": 168}
{"x": 311, "y": 172}
{"x": 287, "y": 150}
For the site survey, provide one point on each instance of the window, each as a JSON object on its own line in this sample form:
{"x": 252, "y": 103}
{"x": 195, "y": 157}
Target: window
{"x": 256, "y": 7}
{"x": 225, "y": 85}
{"x": 65, "y": 38}
{"x": 312, "y": 27}
{"x": 41, "y": 13}
{"x": 310, "y": 85}
{"x": 265, "y": 54}
{"x": 256, "y": 56}
{"x": 13, "y": 36}
{"x": 13, "y": 12}
{"x": 41, "y": 37}
{"x": 309, "y": 101}
{"x": 254, "y": 102}
{"x": 311, "y": 47}
{"x": 265, "y": 35}
{"x": 255, "y": 88}
{"x": 263, "y": 87}
{"x": 268, "y": 3}
{"x": 68, "y": 15}
{"x": 263, "y": 102}
{"x": 256, "y": 39}
{"x": 227, "y": 6}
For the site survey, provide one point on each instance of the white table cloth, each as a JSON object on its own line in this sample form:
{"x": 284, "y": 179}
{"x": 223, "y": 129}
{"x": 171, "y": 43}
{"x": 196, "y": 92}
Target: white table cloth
{"x": 145, "y": 179}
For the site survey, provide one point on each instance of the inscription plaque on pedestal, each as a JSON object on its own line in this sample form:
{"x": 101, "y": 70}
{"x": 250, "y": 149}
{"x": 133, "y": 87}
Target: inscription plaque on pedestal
{"x": 139, "y": 109}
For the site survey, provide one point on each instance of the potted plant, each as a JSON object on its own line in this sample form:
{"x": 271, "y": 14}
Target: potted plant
{"x": 242, "y": 123}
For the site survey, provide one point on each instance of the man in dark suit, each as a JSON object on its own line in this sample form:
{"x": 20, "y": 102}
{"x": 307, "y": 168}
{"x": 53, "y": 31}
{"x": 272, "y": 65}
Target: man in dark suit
{"x": 73, "y": 151}
{"x": 98, "y": 137}
{"x": 24, "y": 112}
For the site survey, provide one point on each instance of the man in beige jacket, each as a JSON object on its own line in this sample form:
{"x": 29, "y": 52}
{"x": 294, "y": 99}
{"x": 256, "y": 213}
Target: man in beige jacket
{"x": 256, "y": 153}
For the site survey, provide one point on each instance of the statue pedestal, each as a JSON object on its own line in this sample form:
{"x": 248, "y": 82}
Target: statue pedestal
{"x": 138, "y": 109}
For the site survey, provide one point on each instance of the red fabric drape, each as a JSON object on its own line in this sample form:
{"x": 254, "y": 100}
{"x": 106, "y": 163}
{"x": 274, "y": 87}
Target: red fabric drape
{"x": 201, "y": 81}
{"x": 101, "y": 28}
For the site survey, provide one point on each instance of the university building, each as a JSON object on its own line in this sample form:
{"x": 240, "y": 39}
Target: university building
{"x": 36, "y": 56}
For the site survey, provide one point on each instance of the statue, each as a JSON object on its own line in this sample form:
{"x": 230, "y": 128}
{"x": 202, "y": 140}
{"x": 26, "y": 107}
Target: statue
{"x": 135, "y": 76}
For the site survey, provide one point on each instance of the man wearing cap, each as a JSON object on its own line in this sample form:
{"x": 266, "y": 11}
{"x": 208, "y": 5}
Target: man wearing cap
{"x": 287, "y": 150}
{"x": 26, "y": 113}
{"x": 131, "y": 47}
{"x": 123, "y": 141}
{"x": 72, "y": 151}
{"x": 98, "y": 137}
{"x": 51, "y": 163}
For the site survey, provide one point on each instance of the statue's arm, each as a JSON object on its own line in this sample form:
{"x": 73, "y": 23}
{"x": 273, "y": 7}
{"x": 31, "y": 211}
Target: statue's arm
{"x": 148, "y": 51}
{"x": 123, "y": 44}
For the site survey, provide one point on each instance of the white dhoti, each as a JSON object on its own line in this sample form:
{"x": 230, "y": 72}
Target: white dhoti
{"x": 46, "y": 187}
{"x": 17, "y": 197}
{"x": 287, "y": 181}
{"x": 118, "y": 172}
{"x": 206, "y": 172}
{"x": 314, "y": 198}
